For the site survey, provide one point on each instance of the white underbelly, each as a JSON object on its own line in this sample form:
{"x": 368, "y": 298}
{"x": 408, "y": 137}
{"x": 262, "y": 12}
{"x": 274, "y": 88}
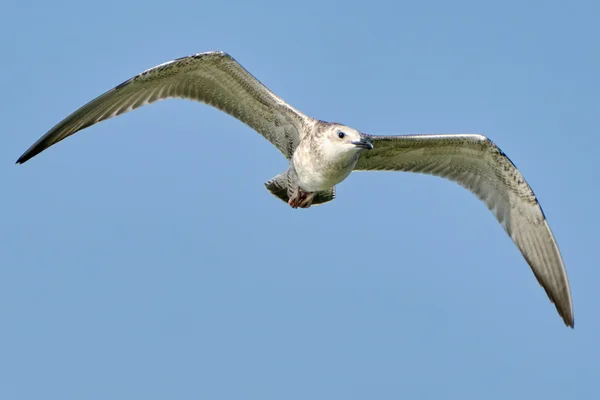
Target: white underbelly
{"x": 313, "y": 179}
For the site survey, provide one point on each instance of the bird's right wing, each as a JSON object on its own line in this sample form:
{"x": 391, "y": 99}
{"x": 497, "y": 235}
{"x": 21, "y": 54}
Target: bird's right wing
{"x": 476, "y": 163}
{"x": 213, "y": 78}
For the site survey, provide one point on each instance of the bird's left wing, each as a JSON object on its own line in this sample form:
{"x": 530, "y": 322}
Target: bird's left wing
{"x": 476, "y": 163}
{"x": 213, "y": 78}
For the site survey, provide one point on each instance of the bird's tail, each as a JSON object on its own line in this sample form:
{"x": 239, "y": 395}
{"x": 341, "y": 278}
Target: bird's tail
{"x": 278, "y": 186}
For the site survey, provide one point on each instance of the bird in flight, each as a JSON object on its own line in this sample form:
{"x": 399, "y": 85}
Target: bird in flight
{"x": 322, "y": 154}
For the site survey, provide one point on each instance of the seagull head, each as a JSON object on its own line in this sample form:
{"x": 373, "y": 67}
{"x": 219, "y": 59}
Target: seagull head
{"x": 345, "y": 141}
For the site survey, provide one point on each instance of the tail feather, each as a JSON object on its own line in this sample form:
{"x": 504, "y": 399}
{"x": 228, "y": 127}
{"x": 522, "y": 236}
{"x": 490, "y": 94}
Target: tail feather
{"x": 278, "y": 186}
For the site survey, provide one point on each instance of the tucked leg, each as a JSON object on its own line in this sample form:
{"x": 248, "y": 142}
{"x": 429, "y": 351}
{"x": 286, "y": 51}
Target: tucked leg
{"x": 300, "y": 198}
{"x": 280, "y": 187}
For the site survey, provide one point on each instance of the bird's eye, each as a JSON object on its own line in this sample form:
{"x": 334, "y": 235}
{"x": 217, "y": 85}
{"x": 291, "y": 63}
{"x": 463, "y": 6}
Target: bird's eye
{"x": 341, "y": 135}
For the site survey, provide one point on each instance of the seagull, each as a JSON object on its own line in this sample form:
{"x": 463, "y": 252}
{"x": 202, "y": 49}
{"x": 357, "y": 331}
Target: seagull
{"x": 322, "y": 154}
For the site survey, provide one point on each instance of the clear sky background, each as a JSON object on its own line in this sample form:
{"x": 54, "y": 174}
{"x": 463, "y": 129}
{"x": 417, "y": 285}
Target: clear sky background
{"x": 144, "y": 259}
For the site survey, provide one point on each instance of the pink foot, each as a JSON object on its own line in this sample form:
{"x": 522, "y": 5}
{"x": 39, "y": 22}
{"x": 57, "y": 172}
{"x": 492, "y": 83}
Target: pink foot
{"x": 301, "y": 199}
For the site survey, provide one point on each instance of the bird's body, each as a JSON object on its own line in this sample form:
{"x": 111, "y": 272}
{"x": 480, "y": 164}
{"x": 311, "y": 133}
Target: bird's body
{"x": 323, "y": 154}
{"x": 318, "y": 166}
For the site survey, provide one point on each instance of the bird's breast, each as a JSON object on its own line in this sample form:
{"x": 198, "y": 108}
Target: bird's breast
{"x": 315, "y": 174}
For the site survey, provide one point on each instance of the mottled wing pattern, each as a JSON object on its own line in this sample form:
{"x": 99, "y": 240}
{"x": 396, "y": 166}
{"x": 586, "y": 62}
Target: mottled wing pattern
{"x": 213, "y": 78}
{"x": 476, "y": 163}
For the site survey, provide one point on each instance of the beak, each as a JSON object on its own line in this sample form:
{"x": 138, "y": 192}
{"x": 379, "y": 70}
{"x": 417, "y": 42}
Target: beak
{"x": 364, "y": 143}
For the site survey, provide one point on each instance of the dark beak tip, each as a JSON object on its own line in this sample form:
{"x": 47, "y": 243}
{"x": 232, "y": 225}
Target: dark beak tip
{"x": 364, "y": 143}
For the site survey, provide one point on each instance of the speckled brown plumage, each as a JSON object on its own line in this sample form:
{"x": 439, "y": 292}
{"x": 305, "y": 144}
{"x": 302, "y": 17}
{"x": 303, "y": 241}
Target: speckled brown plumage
{"x": 477, "y": 164}
{"x": 323, "y": 154}
{"x": 213, "y": 78}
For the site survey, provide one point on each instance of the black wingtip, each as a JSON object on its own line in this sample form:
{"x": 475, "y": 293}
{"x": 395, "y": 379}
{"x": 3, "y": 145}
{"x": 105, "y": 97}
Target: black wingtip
{"x": 571, "y": 323}
{"x": 34, "y": 150}
{"x": 568, "y": 318}
{"x": 26, "y": 156}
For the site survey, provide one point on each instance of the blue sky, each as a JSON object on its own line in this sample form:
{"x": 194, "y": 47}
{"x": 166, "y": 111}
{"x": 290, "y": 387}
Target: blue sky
{"x": 141, "y": 260}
